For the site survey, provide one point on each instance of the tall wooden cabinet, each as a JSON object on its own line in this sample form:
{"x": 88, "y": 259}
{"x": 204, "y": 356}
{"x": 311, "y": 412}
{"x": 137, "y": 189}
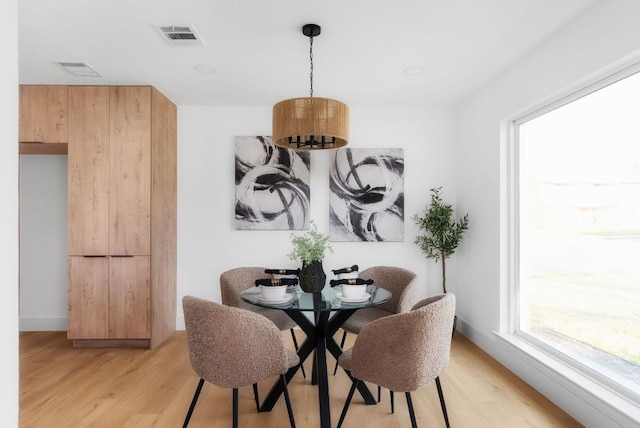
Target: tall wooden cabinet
{"x": 122, "y": 216}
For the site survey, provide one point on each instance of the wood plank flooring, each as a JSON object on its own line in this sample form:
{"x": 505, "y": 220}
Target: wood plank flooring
{"x": 62, "y": 386}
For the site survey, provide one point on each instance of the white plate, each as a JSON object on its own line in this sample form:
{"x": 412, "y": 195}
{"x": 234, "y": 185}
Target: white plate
{"x": 275, "y": 302}
{"x": 353, "y": 299}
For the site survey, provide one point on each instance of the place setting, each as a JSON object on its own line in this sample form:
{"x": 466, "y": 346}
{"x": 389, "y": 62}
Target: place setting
{"x": 274, "y": 291}
{"x": 352, "y": 288}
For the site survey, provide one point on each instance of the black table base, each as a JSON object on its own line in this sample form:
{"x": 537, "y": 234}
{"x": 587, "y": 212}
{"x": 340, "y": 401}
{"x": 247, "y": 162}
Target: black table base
{"x": 319, "y": 339}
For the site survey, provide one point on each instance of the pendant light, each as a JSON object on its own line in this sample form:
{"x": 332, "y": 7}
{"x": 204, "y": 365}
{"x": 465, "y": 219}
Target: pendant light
{"x": 310, "y": 123}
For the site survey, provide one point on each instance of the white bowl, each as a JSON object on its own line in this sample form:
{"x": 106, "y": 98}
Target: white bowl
{"x": 273, "y": 292}
{"x": 348, "y": 275}
{"x": 354, "y": 291}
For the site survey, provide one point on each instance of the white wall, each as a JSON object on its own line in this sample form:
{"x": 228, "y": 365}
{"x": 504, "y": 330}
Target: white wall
{"x": 9, "y": 213}
{"x": 43, "y": 242}
{"x": 603, "y": 35}
{"x": 208, "y": 244}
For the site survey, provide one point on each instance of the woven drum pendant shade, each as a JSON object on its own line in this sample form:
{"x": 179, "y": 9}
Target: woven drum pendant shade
{"x": 310, "y": 123}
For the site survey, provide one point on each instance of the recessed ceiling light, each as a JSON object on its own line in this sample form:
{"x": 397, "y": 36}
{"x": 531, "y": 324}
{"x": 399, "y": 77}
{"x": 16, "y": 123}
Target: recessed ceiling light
{"x": 413, "y": 70}
{"x": 78, "y": 69}
{"x": 204, "y": 68}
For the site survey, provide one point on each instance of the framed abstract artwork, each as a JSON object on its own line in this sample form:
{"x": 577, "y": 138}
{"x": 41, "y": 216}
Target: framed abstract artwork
{"x": 272, "y": 185}
{"x": 366, "y": 201}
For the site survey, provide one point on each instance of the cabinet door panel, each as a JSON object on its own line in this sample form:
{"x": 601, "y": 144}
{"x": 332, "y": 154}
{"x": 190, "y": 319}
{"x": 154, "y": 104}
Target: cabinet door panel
{"x": 88, "y": 164}
{"x": 88, "y": 298}
{"x": 130, "y": 171}
{"x": 130, "y": 297}
{"x": 163, "y": 216}
{"x": 43, "y": 114}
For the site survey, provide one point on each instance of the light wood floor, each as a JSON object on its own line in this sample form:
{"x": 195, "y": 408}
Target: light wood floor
{"x": 65, "y": 387}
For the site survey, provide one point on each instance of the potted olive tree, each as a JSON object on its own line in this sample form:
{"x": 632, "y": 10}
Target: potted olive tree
{"x": 310, "y": 248}
{"x": 442, "y": 232}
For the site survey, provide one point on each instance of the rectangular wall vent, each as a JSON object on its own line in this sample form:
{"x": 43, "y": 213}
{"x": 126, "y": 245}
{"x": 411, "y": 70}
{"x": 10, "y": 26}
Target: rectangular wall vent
{"x": 180, "y": 35}
{"x": 78, "y": 69}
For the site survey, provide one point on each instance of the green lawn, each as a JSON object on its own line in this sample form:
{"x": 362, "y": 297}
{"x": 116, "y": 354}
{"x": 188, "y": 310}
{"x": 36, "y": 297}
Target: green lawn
{"x": 581, "y": 293}
{"x": 600, "y": 309}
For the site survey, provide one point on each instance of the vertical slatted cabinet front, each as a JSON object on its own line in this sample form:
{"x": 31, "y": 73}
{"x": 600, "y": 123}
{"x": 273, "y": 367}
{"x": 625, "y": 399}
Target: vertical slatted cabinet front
{"x": 109, "y": 216}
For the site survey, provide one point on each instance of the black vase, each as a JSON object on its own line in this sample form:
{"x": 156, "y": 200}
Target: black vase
{"x": 312, "y": 277}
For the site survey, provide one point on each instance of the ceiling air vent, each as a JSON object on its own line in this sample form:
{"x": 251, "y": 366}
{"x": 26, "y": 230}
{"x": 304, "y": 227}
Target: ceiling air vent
{"x": 180, "y": 35}
{"x": 78, "y": 69}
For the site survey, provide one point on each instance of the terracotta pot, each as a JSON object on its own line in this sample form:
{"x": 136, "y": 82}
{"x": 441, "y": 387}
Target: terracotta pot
{"x": 312, "y": 277}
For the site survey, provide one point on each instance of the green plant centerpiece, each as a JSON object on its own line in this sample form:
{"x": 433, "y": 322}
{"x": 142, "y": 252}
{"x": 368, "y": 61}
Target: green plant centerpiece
{"x": 310, "y": 249}
{"x": 443, "y": 233}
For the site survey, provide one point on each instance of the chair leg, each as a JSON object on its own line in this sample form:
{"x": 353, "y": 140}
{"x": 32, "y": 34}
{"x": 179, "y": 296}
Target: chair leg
{"x": 379, "y": 392}
{"x": 287, "y": 400}
{"x": 444, "y": 407}
{"x": 235, "y": 407}
{"x": 354, "y": 385}
{"x": 412, "y": 415}
{"x": 193, "y": 403}
{"x": 344, "y": 337}
{"x": 295, "y": 345}
{"x": 255, "y": 395}
{"x": 295, "y": 341}
{"x": 391, "y": 398}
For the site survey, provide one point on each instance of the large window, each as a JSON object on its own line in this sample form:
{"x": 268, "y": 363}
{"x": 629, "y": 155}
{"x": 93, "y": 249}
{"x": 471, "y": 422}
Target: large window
{"x": 577, "y": 187}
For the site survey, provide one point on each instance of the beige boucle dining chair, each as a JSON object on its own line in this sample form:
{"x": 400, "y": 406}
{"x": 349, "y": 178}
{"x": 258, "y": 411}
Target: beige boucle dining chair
{"x": 403, "y": 352}
{"x": 235, "y": 281}
{"x": 403, "y": 285}
{"x": 232, "y": 347}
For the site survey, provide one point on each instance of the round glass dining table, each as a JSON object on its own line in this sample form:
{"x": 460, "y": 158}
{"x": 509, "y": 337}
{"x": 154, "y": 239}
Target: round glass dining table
{"x": 329, "y": 311}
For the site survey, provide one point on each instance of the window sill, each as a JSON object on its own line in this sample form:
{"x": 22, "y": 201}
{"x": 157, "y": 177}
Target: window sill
{"x": 617, "y": 408}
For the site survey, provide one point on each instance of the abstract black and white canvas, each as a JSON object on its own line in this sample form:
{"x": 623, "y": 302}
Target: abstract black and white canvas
{"x": 366, "y": 201}
{"x": 272, "y": 185}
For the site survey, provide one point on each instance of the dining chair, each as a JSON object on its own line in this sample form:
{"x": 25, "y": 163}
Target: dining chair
{"x": 403, "y": 285}
{"x": 232, "y": 347}
{"x": 236, "y": 280}
{"x": 403, "y": 352}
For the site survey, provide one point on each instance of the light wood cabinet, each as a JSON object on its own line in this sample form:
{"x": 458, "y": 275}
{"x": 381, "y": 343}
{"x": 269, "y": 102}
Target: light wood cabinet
{"x": 122, "y": 216}
{"x": 130, "y": 171}
{"x": 109, "y": 296}
{"x": 88, "y": 172}
{"x": 43, "y": 114}
{"x": 129, "y": 296}
{"x": 88, "y": 295}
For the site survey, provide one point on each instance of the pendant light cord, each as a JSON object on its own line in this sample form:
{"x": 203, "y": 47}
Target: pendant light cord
{"x": 311, "y": 68}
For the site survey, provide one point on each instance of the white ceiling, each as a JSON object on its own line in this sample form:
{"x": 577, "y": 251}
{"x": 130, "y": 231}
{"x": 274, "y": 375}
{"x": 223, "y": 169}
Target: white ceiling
{"x": 260, "y": 56}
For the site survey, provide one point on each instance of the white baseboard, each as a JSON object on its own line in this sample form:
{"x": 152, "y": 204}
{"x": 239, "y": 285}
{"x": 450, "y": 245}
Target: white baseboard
{"x": 180, "y": 323}
{"x": 43, "y": 324}
{"x": 586, "y": 401}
